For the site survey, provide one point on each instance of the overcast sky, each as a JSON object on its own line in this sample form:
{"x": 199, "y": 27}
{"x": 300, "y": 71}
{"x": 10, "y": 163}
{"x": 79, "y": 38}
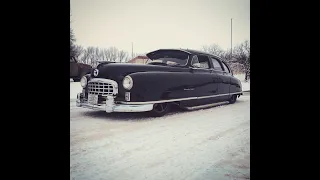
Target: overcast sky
{"x": 156, "y": 24}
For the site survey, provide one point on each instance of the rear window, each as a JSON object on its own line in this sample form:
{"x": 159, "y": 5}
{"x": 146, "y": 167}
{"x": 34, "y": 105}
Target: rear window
{"x": 169, "y": 57}
{"x": 226, "y": 69}
{"x": 216, "y": 64}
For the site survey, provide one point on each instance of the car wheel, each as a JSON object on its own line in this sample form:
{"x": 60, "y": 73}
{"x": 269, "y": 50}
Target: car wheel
{"x": 233, "y": 99}
{"x": 160, "y": 109}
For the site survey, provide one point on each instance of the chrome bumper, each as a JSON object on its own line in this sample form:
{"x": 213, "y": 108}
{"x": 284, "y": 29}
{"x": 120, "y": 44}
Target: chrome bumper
{"x": 111, "y": 106}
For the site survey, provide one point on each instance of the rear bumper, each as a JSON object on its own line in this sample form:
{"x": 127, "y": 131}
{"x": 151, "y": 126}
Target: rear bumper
{"x": 111, "y": 106}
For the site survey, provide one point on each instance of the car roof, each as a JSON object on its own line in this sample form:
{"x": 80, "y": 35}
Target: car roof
{"x": 197, "y": 52}
{"x": 191, "y": 51}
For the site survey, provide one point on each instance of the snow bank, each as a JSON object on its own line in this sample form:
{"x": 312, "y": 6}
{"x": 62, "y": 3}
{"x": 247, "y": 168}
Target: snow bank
{"x": 245, "y": 85}
{"x": 75, "y": 88}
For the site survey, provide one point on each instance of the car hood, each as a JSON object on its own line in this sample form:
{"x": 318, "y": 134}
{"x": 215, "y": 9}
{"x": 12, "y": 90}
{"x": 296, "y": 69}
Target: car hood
{"x": 117, "y": 71}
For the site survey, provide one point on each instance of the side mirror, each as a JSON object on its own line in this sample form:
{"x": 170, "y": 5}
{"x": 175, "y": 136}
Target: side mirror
{"x": 196, "y": 65}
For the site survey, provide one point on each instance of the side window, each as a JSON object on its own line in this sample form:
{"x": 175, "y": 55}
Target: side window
{"x": 194, "y": 60}
{"x": 216, "y": 64}
{"x": 226, "y": 69}
{"x": 204, "y": 62}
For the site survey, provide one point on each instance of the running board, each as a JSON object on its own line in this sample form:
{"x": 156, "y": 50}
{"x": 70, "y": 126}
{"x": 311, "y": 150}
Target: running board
{"x": 206, "y": 105}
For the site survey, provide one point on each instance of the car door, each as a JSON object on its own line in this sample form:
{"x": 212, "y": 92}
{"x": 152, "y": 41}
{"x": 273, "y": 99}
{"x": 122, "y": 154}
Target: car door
{"x": 218, "y": 72}
{"x": 204, "y": 84}
{"x": 227, "y": 76}
{"x": 73, "y": 68}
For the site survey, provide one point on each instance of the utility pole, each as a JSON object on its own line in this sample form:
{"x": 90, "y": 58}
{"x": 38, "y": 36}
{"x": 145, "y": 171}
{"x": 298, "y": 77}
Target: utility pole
{"x": 132, "y": 50}
{"x": 231, "y": 38}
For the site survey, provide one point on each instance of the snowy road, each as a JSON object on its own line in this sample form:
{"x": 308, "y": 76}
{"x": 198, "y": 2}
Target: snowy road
{"x": 197, "y": 145}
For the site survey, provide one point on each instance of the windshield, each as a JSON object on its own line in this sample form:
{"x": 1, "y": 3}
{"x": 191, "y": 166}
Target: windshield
{"x": 169, "y": 57}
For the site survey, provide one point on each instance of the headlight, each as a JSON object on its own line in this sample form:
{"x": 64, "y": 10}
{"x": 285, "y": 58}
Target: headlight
{"x": 83, "y": 81}
{"x": 127, "y": 82}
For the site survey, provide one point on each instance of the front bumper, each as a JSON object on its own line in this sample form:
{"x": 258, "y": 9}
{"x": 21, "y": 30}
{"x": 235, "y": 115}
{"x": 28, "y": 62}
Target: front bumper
{"x": 111, "y": 106}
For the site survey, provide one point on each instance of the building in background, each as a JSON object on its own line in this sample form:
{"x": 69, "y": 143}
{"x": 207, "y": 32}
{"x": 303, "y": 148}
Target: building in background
{"x": 139, "y": 60}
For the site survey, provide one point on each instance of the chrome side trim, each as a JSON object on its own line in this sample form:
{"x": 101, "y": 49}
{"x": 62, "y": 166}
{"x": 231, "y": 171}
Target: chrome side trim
{"x": 206, "y": 105}
{"x": 203, "y": 97}
{"x": 236, "y": 93}
{"x": 102, "y": 80}
{"x": 180, "y": 99}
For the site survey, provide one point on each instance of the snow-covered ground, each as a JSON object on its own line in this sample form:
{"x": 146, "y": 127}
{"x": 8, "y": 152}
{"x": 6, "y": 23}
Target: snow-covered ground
{"x": 205, "y": 144}
{"x": 75, "y": 87}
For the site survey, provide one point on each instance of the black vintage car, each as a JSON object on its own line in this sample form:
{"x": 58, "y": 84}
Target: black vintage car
{"x": 187, "y": 78}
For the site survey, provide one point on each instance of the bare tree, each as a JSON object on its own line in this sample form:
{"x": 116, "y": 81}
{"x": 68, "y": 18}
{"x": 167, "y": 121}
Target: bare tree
{"x": 113, "y": 51}
{"x": 91, "y": 55}
{"x": 213, "y": 49}
{"x": 226, "y": 56}
{"x": 105, "y": 55}
{"x": 88, "y": 55}
{"x": 84, "y": 57}
{"x": 72, "y": 48}
{"x": 78, "y": 51}
{"x": 122, "y": 55}
{"x": 242, "y": 54}
{"x": 109, "y": 54}
{"x": 239, "y": 60}
{"x": 237, "y": 68}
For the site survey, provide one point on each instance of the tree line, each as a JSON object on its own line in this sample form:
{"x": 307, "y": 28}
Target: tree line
{"x": 238, "y": 59}
{"x": 91, "y": 55}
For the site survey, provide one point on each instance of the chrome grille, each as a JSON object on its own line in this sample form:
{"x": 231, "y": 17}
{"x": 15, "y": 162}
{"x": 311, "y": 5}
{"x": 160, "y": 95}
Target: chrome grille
{"x": 100, "y": 88}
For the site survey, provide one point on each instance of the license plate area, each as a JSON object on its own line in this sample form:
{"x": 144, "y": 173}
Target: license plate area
{"x": 93, "y": 99}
